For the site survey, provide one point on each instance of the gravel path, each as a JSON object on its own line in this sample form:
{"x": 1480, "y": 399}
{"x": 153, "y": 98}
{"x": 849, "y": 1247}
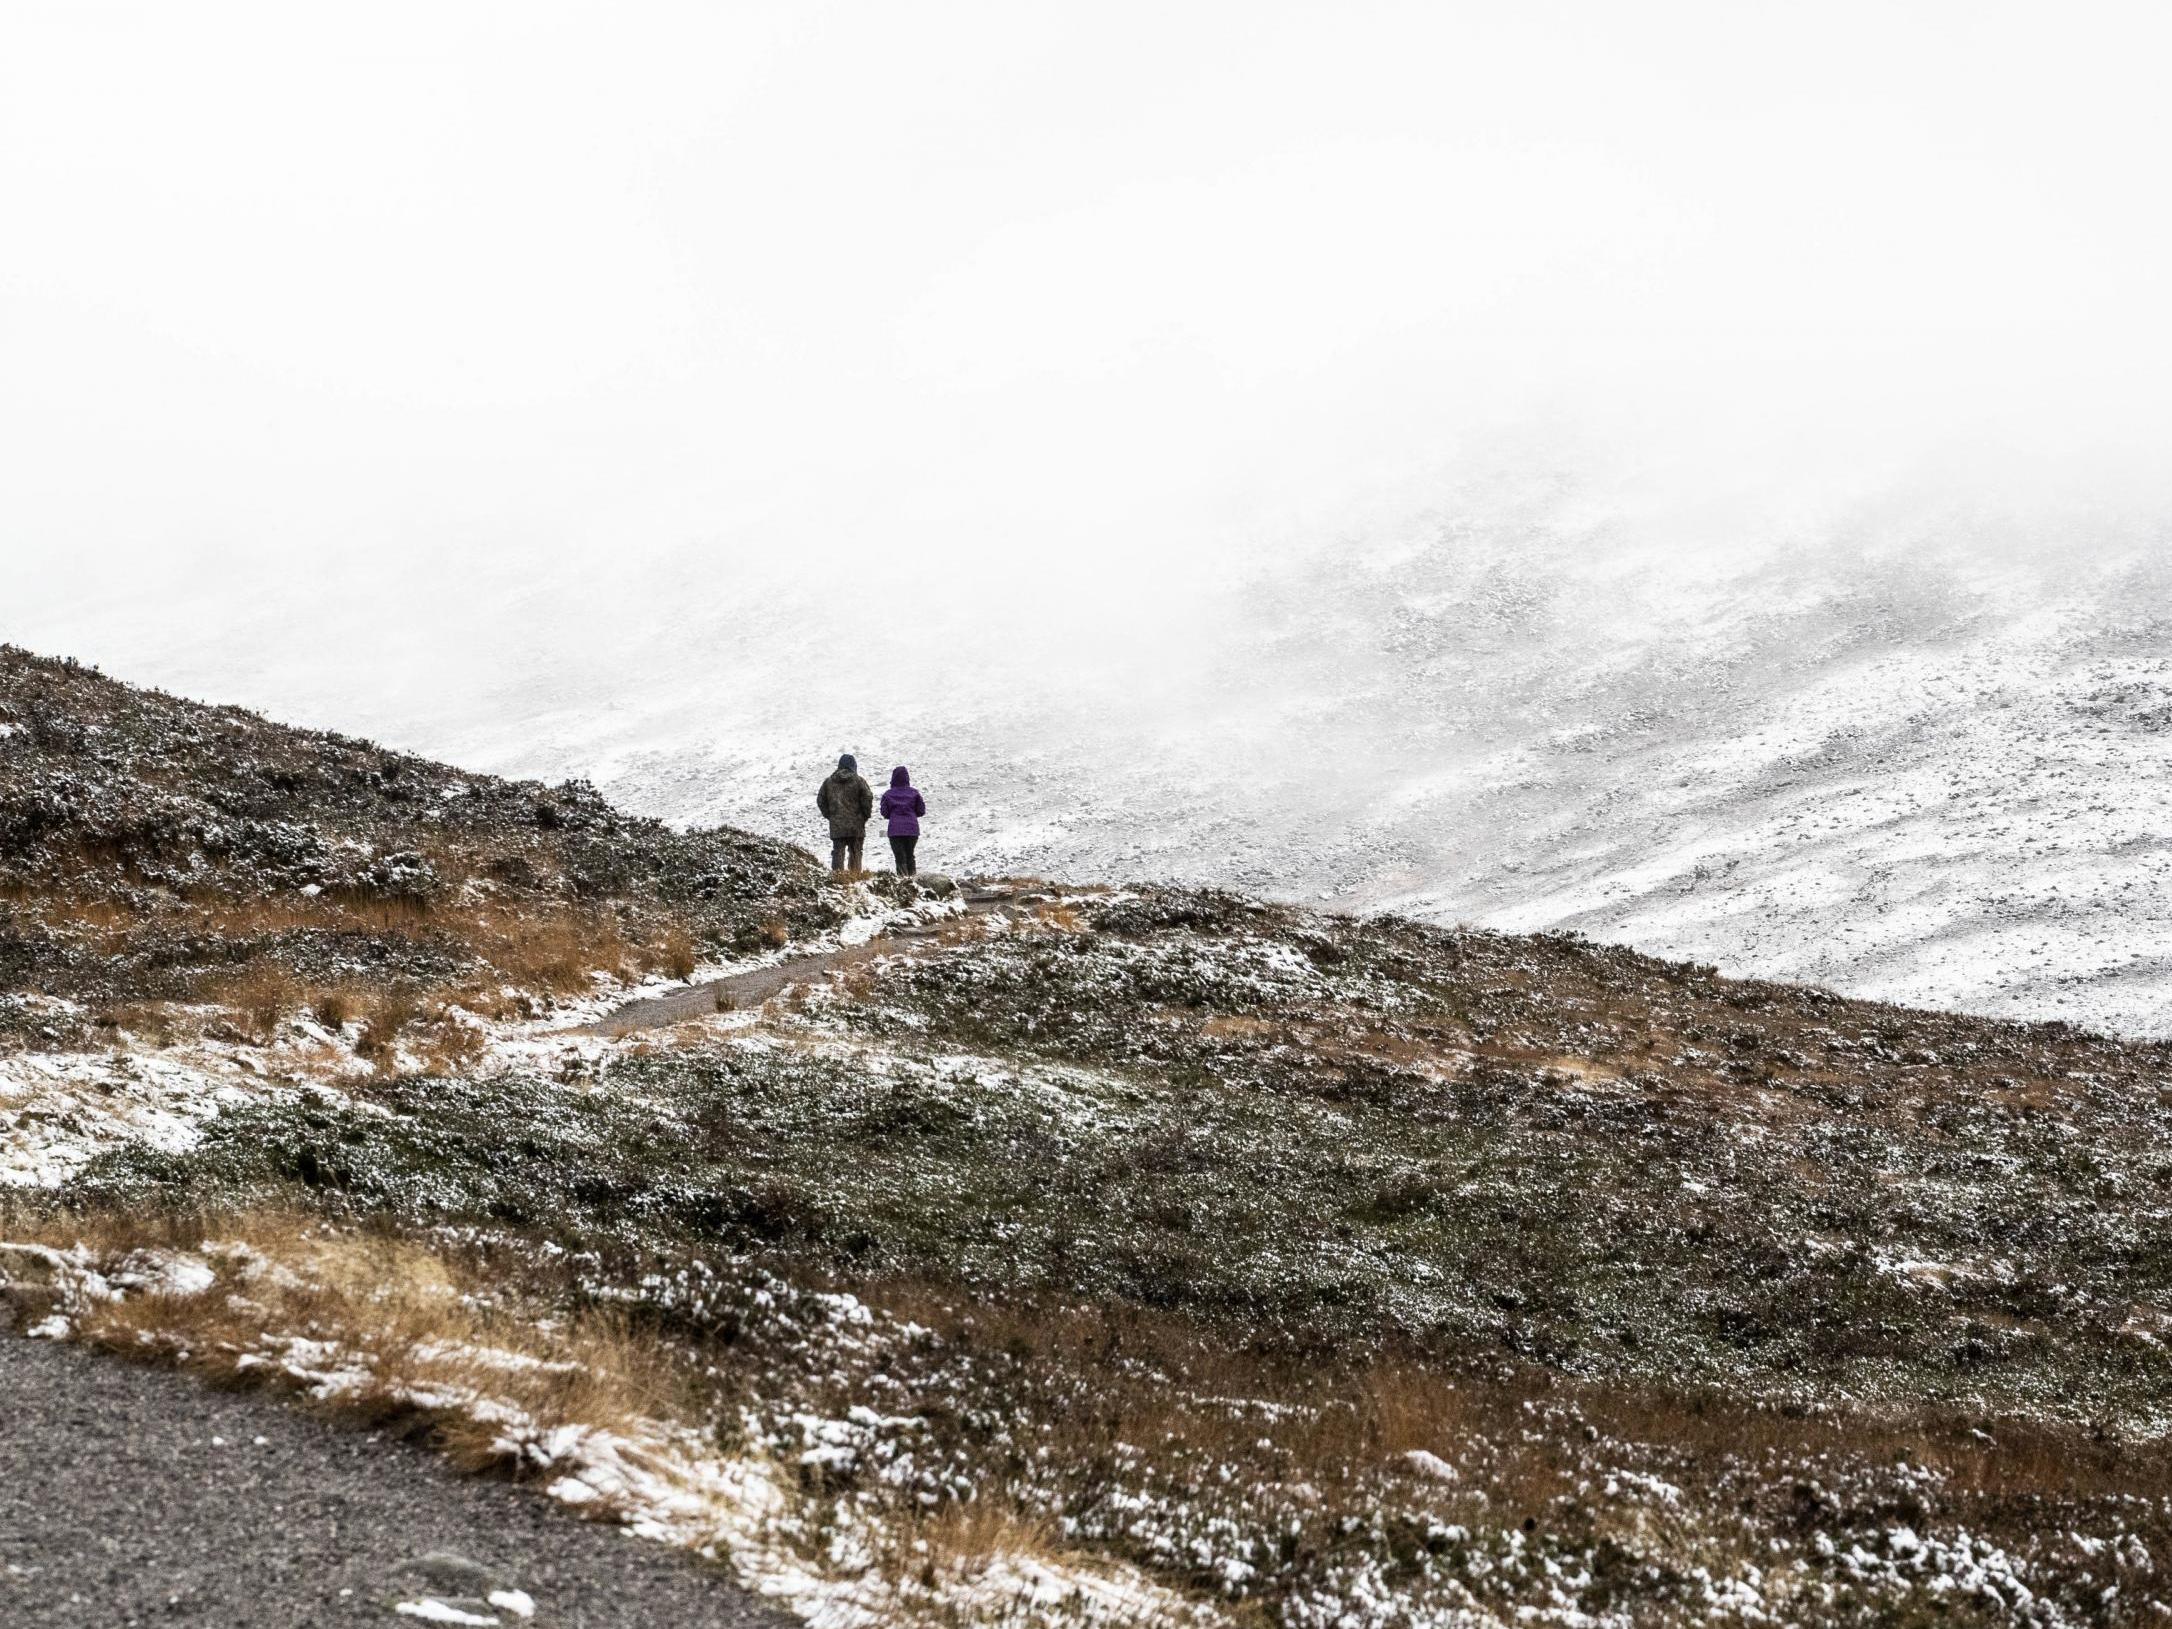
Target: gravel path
{"x": 131, "y": 1495}
{"x": 751, "y": 989}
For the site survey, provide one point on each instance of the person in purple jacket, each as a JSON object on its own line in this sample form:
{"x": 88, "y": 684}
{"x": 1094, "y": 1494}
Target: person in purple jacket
{"x": 902, "y": 807}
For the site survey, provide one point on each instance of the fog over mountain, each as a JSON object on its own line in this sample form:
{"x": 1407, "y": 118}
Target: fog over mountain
{"x": 1692, "y": 477}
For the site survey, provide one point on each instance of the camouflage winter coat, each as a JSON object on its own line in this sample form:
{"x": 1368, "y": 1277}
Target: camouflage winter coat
{"x": 848, "y": 802}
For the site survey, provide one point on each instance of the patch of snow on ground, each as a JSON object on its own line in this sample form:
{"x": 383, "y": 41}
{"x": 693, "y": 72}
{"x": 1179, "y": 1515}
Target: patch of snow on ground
{"x": 59, "y": 1110}
{"x": 431, "y": 1610}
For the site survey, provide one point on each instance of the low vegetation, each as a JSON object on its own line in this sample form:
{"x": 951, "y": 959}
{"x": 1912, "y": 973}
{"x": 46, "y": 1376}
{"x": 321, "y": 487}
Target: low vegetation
{"x": 1152, "y": 1255}
{"x": 154, "y": 849}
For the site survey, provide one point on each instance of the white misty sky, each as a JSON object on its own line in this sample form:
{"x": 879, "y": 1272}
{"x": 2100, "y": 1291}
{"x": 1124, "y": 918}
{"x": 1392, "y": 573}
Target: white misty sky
{"x": 1025, "y": 302}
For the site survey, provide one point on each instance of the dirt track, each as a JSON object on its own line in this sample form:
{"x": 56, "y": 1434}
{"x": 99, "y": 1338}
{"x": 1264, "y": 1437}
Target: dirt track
{"x": 752, "y": 988}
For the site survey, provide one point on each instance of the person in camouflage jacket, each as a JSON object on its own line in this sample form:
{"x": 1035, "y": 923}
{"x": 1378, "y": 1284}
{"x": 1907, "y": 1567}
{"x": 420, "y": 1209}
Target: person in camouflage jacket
{"x": 848, "y": 803}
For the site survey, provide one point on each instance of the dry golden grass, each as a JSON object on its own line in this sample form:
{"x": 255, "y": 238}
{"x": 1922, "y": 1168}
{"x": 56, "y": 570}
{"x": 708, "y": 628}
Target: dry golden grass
{"x": 959, "y": 1541}
{"x": 151, "y": 1021}
{"x": 452, "y": 1047}
{"x": 414, "y": 1327}
{"x": 106, "y": 926}
{"x": 435, "y": 1327}
{"x": 436, "y": 1347}
{"x": 537, "y": 945}
{"x": 1399, "y": 1407}
{"x": 1233, "y": 1027}
{"x": 520, "y": 957}
{"x": 1160, "y": 1381}
{"x": 1060, "y": 917}
{"x": 499, "y": 1002}
{"x": 959, "y": 930}
{"x": 389, "y": 1015}
{"x": 676, "y": 956}
{"x": 263, "y": 993}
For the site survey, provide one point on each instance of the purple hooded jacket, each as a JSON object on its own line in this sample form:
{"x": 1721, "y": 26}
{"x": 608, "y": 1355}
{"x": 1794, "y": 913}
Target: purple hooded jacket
{"x": 902, "y": 805}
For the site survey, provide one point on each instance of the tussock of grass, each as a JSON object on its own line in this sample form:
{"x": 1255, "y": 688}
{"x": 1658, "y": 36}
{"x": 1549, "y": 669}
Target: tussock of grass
{"x": 263, "y": 995}
{"x": 1059, "y": 918}
{"x": 390, "y": 1014}
{"x": 675, "y": 954}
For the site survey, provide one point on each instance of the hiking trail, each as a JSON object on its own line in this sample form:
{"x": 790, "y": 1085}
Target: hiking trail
{"x": 756, "y": 985}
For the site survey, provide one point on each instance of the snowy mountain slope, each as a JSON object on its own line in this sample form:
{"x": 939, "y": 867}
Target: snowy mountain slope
{"x": 1928, "y": 781}
{"x": 1911, "y": 768}
{"x": 1946, "y": 791}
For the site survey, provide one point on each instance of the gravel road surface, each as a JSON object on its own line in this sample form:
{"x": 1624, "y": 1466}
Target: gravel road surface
{"x": 132, "y": 1495}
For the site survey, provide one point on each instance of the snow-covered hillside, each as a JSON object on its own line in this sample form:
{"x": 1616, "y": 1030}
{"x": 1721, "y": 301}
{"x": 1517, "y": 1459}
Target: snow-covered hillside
{"x": 1927, "y": 780}
{"x": 1908, "y": 767}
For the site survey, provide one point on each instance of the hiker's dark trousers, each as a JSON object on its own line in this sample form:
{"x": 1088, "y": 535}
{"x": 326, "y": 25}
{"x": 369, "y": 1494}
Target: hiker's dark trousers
{"x": 902, "y": 847}
{"x": 842, "y": 848}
